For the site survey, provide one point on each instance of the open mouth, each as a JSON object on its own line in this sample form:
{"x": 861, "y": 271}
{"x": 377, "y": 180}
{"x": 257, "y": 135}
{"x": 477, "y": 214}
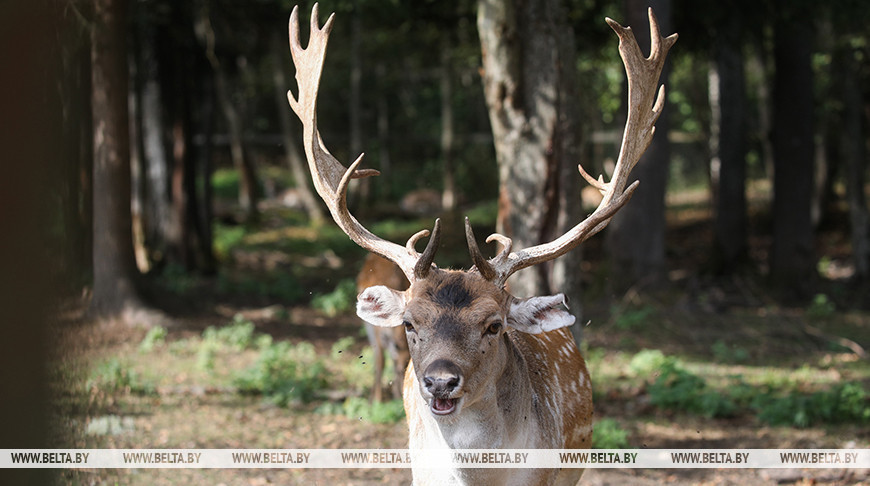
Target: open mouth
{"x": 442, "y": 406}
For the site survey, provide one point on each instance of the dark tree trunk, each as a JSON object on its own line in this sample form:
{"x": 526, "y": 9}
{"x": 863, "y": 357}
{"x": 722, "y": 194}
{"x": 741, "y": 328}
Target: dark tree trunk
{"x": 636, "y": 235}
{"x": 792, "y": 260}
{"x": 728, "y": 145}
{"x": 854, "y": 149}
{"x": 204, "y": 157}
{"x": 530, "y": 87}
{"x": 114, "y": 266}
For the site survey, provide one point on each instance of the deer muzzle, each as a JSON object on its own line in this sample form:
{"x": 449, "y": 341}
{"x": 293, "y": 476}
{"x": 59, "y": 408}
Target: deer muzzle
{"x": 443, "y": 381}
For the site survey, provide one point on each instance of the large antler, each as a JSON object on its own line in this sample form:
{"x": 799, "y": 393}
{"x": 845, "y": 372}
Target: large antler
{"x": 331, "y": 179}
{"x": 644, "y": 108}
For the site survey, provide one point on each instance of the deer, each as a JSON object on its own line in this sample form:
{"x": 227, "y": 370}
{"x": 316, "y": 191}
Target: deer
{"x": 377, "y": 270}
{"x": 488, "y": 370}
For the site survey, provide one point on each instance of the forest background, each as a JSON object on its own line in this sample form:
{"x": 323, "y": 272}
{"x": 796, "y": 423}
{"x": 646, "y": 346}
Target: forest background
{"x": 753, "y": 196}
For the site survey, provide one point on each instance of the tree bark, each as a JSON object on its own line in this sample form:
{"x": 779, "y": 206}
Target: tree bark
{"x": 728, "y": 145}
{"x": 114, "y": 265}
{"x": 448, "y": 195}
{"x": 636, "y": 235}
{"x": 530, "y": 87}
{"x": 792, "y": 262}
{"x": 854, "y": 149}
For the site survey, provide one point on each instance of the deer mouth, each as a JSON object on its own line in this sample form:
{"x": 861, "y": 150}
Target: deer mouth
{"x": 443, "y": 406}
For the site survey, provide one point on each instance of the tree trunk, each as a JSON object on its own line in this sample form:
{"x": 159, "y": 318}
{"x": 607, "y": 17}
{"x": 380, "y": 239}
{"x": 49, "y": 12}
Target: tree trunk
{"x": 530, "y": 87}
{"x": 448, "y": 195}
{"x": 854, "y": 149}
{"x": 243, "y": 164}
{"x": 636, "y": 235}
{"x": 152, "y": 146}
{"x": 728, "y": 146}
{"x": 204, "y": 156}
{"x": 792, "y": 260}
{"x": 298, "y": 166}
{"x": 114, "y": 265}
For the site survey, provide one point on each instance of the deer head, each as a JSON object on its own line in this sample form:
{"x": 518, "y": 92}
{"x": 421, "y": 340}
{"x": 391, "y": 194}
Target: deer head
{"x": 462, "y": 326}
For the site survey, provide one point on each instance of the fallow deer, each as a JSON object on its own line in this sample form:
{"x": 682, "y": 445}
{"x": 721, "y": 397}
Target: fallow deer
{"x": 377, "y": 270}
{"x": 488, "y": 370}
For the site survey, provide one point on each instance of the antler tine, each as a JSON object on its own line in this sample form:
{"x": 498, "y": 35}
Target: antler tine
{"x": 330, "y": 178}
{"x": 645, "y": 105}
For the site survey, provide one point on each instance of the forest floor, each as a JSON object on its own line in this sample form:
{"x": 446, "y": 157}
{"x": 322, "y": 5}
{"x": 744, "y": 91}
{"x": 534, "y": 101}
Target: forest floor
{"x": 757, "y": 368}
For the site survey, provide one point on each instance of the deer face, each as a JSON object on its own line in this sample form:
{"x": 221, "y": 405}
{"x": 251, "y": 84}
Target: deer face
{"x": 455, "y": 323}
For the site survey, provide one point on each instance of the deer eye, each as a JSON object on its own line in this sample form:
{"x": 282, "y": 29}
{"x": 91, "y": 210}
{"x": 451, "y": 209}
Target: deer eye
{"x": 409, "y": 327}
{"x": 493, "y": 328}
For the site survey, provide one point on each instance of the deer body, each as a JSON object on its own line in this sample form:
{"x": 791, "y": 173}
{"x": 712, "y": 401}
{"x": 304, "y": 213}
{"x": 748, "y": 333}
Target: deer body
{"x": 488, "y": 370}
{"x": 513, "y": 378}
{"x": 377, "y": 270}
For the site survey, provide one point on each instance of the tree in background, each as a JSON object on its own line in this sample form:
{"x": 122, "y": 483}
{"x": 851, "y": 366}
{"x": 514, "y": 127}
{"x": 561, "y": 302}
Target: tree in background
{"x": 728, "y": 139}
{"x": 636, "y": 236}
{"x": 530, "y": 84}
{"x": 792, "y": 258}
{"x": 114, "y": 264}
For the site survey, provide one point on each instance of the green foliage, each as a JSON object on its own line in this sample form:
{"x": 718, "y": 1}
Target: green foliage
{"x": 339, "y": 301}
{"x": 342, "y": 345}
{"x": 729, "y": 354}
{"x": 238, "y": 335}
{"x": 676, "y": 388}
{"x": 609, "y": 435}
{"x": 156, "y": 337}
{"x": 844, "y": 403}
{"x": 375, "y": 412}
{"x": 284, "y": 374}
{"x": 821, "y": 308}
{"x": 649, "y": 361}
{"x": 225, "y": 183}
{"x": 113, "y": 376}
{"x": 226, "y": 238}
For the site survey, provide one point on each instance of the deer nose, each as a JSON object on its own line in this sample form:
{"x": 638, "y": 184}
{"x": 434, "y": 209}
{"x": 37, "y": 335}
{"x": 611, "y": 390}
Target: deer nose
{"x": 442, "y": 377}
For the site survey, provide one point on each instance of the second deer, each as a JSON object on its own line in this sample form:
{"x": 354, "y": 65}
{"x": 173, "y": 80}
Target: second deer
{"x": 377, "y": 270}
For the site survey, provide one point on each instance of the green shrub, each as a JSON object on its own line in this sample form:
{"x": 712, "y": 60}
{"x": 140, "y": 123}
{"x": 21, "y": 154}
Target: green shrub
{"x": 845, "y": 403}
{"x": 339, "y": 301}
{"x": 112, "y": 376}
{"x": 227, "y": 238}
{"x": 821, "y": 308}
{"x": 155, "y": 337}
{"x": 237, "y": 335}
{"x": 648, "y": 361}
{"x": 375, "y": 412}
{"x": 609, "y": 435}
{"x": 676, "y": 388}
{"x": 284, "y": 374}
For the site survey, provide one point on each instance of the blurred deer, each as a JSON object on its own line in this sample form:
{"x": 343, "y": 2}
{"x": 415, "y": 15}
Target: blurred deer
{"x": 377, "y": 270}
{"x": 488, "y": 370}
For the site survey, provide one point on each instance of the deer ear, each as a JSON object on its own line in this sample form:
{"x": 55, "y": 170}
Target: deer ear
{"x": 381, "y": 306}
{"x": 540, "y": 314}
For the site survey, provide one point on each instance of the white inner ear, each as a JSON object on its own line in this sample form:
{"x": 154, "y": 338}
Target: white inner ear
{"x": 381, "y": 306}
{"x": 540, "y": 314}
